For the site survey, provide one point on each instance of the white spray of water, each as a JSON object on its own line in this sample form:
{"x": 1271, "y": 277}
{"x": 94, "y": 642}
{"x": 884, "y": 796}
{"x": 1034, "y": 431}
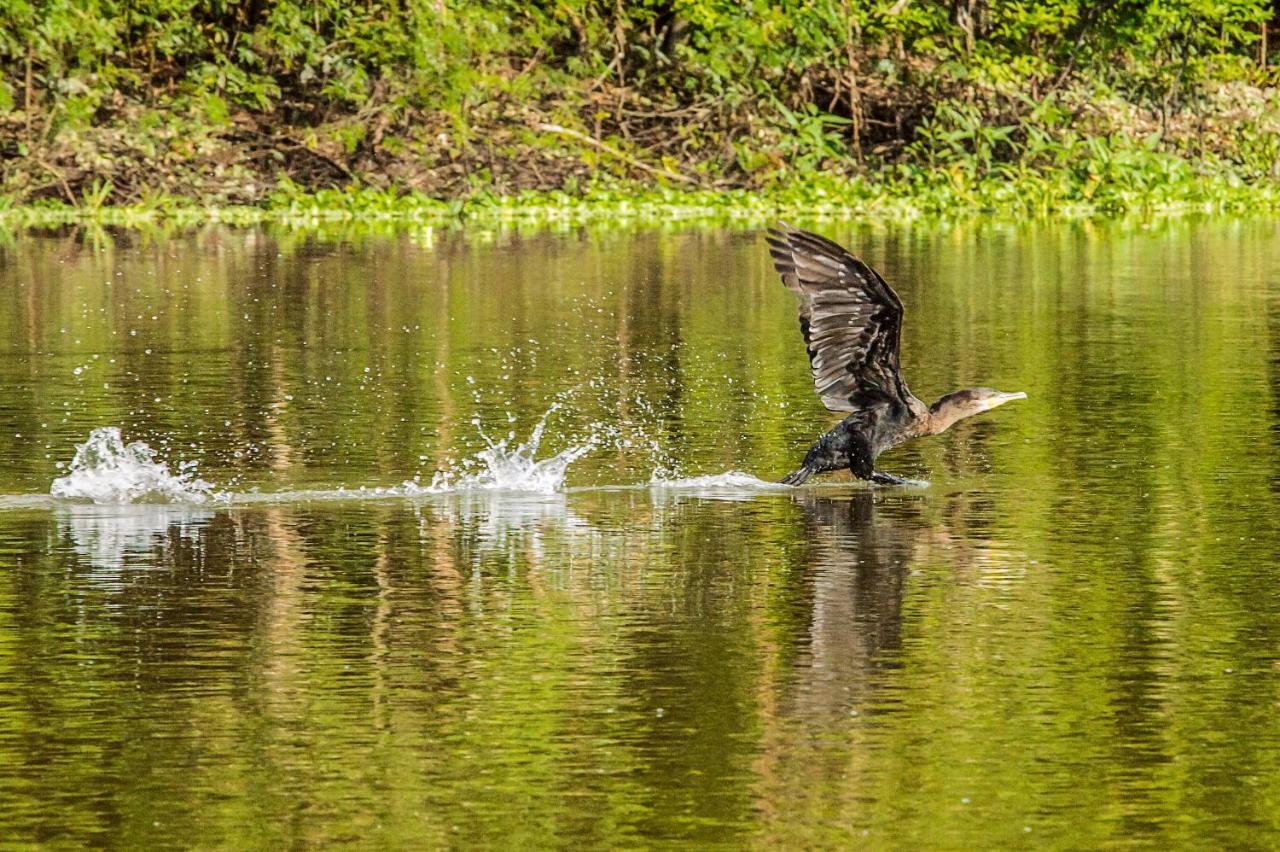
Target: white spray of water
{"x": 732, "y": 479}
{"x": 106, "y": 470}
{"x": 503, "y": 467}
{"x": 730, "y": 485}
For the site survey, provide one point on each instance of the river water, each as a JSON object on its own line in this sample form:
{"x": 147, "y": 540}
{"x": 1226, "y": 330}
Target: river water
{"x": 440, "y": 539}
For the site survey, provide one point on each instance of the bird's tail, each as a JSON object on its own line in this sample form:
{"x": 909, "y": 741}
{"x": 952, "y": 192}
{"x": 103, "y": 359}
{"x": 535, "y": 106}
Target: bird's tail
{"x": 798, "y": 477}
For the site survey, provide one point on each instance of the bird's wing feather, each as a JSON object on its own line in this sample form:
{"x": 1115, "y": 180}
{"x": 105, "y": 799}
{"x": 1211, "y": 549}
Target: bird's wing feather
{"x": 850, "y": 318}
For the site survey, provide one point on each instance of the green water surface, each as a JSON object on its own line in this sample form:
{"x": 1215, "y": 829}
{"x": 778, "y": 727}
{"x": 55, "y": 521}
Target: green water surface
{"x": 1070, "y": 638}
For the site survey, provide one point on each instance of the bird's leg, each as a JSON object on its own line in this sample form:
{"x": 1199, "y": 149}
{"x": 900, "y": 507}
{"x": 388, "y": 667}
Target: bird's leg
{"x": 862, "y": 462}
{"x": 879, "y": 477}
{"x": 829, "y": 453}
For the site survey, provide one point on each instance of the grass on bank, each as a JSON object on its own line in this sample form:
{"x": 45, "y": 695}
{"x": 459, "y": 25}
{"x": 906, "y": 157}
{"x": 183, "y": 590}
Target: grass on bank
{"x": 1136, "y": 180}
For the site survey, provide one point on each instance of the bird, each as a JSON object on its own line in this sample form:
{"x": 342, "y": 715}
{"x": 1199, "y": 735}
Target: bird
{"x": 851, "y": 321}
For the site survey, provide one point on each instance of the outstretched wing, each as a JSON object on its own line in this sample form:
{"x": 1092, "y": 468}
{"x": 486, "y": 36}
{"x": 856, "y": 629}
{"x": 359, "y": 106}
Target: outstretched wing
{"x": 850, "y": 318}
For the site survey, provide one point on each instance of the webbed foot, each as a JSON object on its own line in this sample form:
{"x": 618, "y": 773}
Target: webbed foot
{"x": 797, "y": 477}
{"x": 882, "y": 478}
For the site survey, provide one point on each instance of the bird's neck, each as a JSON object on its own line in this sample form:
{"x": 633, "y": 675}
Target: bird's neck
{"x": 942, "y": 415}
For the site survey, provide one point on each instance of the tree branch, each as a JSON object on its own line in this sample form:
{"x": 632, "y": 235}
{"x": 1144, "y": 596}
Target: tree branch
{"x": 612, "y": 151}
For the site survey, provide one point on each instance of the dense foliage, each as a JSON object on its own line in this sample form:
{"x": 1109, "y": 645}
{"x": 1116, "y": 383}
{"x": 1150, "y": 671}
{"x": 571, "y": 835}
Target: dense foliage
{"x": 965, "y": 102}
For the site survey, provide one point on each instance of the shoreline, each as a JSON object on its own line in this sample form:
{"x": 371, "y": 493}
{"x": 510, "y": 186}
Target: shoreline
{"x": 858, "y": 202}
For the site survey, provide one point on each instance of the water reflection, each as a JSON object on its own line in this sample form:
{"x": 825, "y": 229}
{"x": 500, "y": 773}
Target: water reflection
{"x": 853, "y": 584}
{"x": 1074, "y": 630}
{"x": 111, "y": 539}
{"x": 507, "y": 526}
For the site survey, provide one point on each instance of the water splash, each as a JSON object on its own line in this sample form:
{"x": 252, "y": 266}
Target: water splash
{"x": 731, "y": 479}
{"x": 502, "y": 467}
{"x": 107, "y": 470}
{"x": 731, "y": 485}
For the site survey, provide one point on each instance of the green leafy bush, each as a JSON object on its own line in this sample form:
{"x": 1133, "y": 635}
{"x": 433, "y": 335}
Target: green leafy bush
{"x": 1098, "y": 102}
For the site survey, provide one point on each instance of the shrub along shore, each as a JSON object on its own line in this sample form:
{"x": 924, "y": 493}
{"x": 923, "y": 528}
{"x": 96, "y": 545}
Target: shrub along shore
{"x": 133, "y": 111}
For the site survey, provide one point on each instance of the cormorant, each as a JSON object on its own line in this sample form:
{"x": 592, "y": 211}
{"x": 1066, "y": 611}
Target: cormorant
{"x": 851, "y": 321}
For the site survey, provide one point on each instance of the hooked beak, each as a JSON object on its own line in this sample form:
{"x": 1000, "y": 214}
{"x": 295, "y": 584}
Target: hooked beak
{"x": 1001, "y": 398}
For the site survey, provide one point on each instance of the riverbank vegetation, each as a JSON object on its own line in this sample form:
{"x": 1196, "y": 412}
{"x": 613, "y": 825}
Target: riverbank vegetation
{"x": 433, "y": 109}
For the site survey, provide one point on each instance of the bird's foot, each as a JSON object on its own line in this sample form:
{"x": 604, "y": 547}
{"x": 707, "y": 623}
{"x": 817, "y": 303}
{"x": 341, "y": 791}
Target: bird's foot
{"x": 882, "y": 478}
{"x": 797, "y": 477}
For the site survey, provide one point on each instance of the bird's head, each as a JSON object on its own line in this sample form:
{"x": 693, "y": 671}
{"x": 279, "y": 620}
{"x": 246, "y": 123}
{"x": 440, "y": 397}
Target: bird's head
{"x": 966, "y": 403}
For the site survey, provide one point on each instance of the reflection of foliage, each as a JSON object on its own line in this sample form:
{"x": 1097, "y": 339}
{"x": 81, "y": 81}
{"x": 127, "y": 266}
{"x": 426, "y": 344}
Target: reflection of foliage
{"x": 1045, "y": 632}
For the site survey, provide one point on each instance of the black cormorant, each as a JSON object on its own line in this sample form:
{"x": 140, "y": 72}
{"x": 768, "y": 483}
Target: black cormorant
{"x": 851, "y": 321}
